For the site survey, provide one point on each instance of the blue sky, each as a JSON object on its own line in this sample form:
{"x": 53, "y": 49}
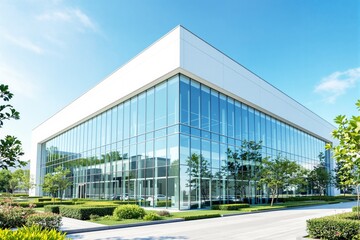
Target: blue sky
{"x": 51, "y": 52}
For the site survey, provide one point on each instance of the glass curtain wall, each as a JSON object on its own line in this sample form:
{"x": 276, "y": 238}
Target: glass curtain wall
{"x": 172, "y": 146}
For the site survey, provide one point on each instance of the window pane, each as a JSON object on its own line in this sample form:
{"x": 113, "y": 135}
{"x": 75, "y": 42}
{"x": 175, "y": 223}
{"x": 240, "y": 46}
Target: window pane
{"x": 230, "y": 118}
{"x": 223, "y": 115}
{"x": 205, "y": 108}
{"x": 126, "y": 119}
{"x": 150, "y": 104}
{"x": 195, "y": 104}
{"x": 173, "y": 100}
{"x": 133, "y": 121}
{"x": 215, "y": 127}
{"x": 184, "y": 100}
{"x": 160, "y": 102}
{"x": 141, "y": 113}
{"x": 244, "y": 122}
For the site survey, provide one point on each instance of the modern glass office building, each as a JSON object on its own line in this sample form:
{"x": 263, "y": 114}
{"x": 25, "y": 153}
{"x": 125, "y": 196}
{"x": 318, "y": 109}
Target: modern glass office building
{"x": 167, "y": 141}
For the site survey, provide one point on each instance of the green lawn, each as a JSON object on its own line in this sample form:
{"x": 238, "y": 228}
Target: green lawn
{"x": 253, "y": 208}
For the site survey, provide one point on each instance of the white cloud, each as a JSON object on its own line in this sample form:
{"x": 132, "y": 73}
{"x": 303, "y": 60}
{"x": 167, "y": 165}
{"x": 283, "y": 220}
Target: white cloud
{"x": 337, "y": 83}
{"x": 73, "y": 16}
{"x": 24, "y": 43}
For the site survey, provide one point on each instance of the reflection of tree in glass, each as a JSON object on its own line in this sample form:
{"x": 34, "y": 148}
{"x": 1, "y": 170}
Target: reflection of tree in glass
{"x": 242, "y": 166}
{"x": 320, "y": 178}
{"x": 198, "y": 169}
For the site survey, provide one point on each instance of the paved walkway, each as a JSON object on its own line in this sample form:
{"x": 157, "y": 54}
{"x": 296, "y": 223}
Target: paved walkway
{"x": 280, "y": 225}
{"x": 72, "y": 224}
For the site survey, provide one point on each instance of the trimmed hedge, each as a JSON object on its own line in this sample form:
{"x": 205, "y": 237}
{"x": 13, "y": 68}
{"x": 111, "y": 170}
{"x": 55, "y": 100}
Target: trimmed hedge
{"x": 163, "y": 203}
{"x": 42, "y": 204}
{"x": 43, "y": 199}
{"x": 84, "y": 212}
{"x": 188, "y": 218}
{"x": 52, "y": 208}
{"x": 315, "y": 198}
{"x": 335, "y": 227}
{"x": 230, "y": 206}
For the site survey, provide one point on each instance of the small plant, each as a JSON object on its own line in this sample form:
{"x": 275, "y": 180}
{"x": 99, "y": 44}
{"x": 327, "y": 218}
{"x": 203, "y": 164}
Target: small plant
{"x": 163, "y": 213}
{"x": 44, "y": 220}
{"x": 107, "y": 217}
{"x": 31, "y": 233}
{"x": 94, "y": 217}
{"x": 151, "y": 216}
{"x": 128, "y": 212}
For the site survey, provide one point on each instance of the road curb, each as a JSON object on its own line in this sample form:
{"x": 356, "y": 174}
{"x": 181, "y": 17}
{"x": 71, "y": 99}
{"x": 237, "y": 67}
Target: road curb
{"x": 102, "y": 228}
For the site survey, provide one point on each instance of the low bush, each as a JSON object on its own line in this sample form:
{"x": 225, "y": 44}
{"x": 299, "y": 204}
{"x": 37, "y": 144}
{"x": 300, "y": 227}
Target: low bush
{"x": 355, "y": 209}
{"x": 230, "y": 206}
{"x": 94, "y": 217}
{"x": 163, "y": 203}
{"x": 151, "y": 216}
{"x": 129, "y": 212}
{"x": 44, "y": 220}
{"x": 13, "y": 216}
{"x": 43, "y": 204}
{"x": 31, "y": 233}
{"x": 119, "y": 202}
{"x": 188, "y": 218}
{"x": 336, "y": 227}
{"x": 84, "y": 212}
{"x": 163, "y": 213}
{"x": 52, "y": 209}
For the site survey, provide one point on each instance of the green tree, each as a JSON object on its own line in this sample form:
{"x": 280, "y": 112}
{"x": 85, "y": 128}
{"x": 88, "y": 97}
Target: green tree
{"x": 348, "y": 149}
{"x": 56, "y": 183}
{"x": 320, "y": 178}
{"x": 10, "y": 146}
{"x": 343, "y": 177}
{"x": 279, "y": 173}
{"x": 5, "y": 177}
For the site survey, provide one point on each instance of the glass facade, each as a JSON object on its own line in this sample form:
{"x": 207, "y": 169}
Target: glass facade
{"x": 169, "y": 147}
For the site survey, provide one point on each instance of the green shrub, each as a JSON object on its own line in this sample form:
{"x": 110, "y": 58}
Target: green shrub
{"x": 119, "y": 202}
{"x": 129, "y": 212}
{"x": 43, "y": 204}
{"x": 163, "y": 203}
{"x": 44, "y": 220}
{"x": 230, "y": 206}
{"x": 52, "y": 209}
{"x": 163, "y": 213}
{"x": 355, "y": 209}
{"x": 31, "y": 233}
{"x": 215, "y": 207}
{"x": 13, "y": 216}
{"x": 336, "y": 227}
{"x": 94, "y": 217}
{"x": 84, "y": 212}
{"x": 151, "y": 216}
{"x": 187, "y": 218}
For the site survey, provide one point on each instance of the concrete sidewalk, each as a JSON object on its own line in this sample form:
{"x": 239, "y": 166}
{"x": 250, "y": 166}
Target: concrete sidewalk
{"x": 71, "y": 224}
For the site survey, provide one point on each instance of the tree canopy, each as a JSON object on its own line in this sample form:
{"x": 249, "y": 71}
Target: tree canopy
{"x": 279, "y": 173}
{"x": 10, "y": 146}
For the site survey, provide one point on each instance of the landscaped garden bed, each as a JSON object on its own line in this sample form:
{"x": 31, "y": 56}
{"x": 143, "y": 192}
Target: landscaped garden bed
{"x": 335, "y": 227}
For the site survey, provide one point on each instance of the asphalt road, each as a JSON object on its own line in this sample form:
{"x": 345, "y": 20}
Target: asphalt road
{"x": 285, "y": 224}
